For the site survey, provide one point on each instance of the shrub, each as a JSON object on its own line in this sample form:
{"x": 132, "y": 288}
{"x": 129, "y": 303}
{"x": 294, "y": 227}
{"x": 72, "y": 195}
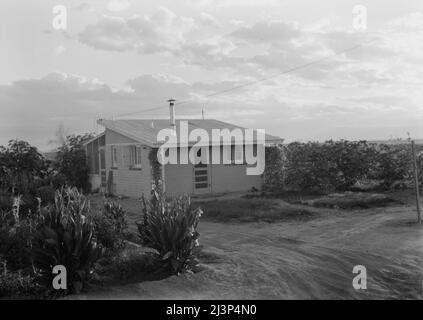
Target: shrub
{"x": 5, "y": 201}
{"x": 65, "y": 236}
{"x": 46, "y": 194}
{"x": 170, "y": 228}
{"x": 308, "y": 167}
{"x": 274, "y": 169}
{"x": 110, "y": 225}
{"x": 393, "y": 163}
{"x": 352, "y": 161}
{"x": 15, "y": 283}
{"x": 29, "y": 205}
{"x": 16, "y": 233}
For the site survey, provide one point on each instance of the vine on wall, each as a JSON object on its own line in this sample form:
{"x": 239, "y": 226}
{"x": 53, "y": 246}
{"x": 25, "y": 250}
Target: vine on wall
{"x": 156, "y": 170}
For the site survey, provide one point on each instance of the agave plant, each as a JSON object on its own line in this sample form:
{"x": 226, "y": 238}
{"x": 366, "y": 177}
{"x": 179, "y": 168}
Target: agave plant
{"x": 65, "y": 236}
{"x": 170, "y": 227}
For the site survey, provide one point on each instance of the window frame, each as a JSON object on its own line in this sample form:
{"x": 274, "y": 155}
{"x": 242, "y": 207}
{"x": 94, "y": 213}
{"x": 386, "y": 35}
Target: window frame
{"x": 135, "y": 157}
{"x": 114, "y": 157}
{"x": 233, "y": 154}
{"x": 235, "y": 160}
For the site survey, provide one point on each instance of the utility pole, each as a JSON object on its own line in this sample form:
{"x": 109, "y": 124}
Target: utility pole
{"x": 416, "y": 181}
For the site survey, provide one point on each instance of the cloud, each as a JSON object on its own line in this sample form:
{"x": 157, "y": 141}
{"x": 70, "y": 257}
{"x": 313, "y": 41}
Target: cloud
{"x": 279, "y": 31}
{"x": 235, "y": 3}
{"x": 59, "y": 50}
{"x": 110, "y": 33}
{"x": 370, "y": 92}
{"x": 32, "y": 109}
{"x": 161, "y": 32}
{"x": 209, "y": 20}
{"x": 267, "y": 47}
{"x": 259, "y": 49}
{"x": 83, "y": 7}
{"x": 118, "y": 5}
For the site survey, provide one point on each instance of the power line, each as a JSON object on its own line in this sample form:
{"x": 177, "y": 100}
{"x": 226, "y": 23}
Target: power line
{"x": 275, "y": 75}
{"x": 303, "y": 66}
{"x": 142, "y": 111}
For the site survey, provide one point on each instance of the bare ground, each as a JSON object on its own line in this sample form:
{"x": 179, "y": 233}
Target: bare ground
{"x": 310, "y": 259}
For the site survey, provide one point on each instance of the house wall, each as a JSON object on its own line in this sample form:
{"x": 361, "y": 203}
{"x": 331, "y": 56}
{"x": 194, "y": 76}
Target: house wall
{"x": 127, "y": 181}
{"x": 95, "y": 181}
{"x": 179, "y": 178}
{"x": 228, "y": 178}
{"x": 223, "y": 178}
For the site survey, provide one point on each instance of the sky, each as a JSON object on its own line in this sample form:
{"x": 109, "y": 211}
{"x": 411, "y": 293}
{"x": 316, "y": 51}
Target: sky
{"x": 124, "y": 59}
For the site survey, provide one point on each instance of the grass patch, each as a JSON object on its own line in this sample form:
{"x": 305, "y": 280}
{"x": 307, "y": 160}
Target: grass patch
{"x": 252, "y": 210}
{"x": 350, "y": 200}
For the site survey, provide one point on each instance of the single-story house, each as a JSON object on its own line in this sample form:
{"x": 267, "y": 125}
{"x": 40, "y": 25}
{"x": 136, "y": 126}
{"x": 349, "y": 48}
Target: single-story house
{"x": 120, "y": 160}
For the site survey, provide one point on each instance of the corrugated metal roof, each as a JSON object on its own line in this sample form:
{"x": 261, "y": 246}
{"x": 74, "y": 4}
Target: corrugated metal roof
{"x": 146, "y": 130}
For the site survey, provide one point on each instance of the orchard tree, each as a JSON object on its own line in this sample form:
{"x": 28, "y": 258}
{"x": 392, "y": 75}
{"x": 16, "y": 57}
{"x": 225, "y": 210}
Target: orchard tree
{"x": 20, "y": 166}
{"x": 72, "y": 163}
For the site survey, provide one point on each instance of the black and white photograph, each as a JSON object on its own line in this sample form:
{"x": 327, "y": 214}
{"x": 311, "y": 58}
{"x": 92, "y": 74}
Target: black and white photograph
{"x": 208, "y": 155}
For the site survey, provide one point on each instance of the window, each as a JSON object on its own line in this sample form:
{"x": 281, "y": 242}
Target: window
{"x": 135, "y": 157}
{"x": 114, "y": 157}
{"x": 227, "y": 154}
{"x": 238, "y": 154}
{"x": 233, "y": 154}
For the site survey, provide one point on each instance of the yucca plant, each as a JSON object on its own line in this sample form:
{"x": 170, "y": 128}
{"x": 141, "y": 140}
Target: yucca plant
{"x": 114, "y": 211}
{"x": 110, "y": 225}
{"x": 170, "y": 227}
{"x": 65, "y": 236}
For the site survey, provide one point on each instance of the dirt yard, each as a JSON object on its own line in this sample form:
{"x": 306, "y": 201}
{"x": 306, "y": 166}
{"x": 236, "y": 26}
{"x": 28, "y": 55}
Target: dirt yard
{"x": 298, "y": 259}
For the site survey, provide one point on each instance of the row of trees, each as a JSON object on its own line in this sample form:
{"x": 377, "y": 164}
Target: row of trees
{"x": 336, "y": 165}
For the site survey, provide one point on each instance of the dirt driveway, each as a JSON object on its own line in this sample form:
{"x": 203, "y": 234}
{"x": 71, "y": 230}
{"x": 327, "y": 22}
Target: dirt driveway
{"x": 299, "y": 260}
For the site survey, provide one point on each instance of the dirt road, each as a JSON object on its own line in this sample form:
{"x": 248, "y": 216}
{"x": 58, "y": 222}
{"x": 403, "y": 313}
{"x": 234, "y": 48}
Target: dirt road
{"x": 299, "y": 260}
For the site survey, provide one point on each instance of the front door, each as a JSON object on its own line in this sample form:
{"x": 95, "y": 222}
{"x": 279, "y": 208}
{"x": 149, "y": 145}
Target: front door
{"x": 201, "y": 178}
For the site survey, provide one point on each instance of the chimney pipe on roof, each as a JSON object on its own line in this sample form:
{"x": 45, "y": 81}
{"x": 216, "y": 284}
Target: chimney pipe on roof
{"x": 172, "y": 112}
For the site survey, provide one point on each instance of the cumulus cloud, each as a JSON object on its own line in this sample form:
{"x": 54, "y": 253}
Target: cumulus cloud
{"x": 110, "y": 33}
{"x": 373, "y": 91}
{"x": 279, "y": 31}
{"x": 209, "y": 20}
{"x": 118, "y": 5}
{"x": 83, "y": 7}
{"x": 264, "y": 47}
{"x": 33, "y": 108}
{"x": 59, "y": 50}
{"x": 161, "y": 32}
